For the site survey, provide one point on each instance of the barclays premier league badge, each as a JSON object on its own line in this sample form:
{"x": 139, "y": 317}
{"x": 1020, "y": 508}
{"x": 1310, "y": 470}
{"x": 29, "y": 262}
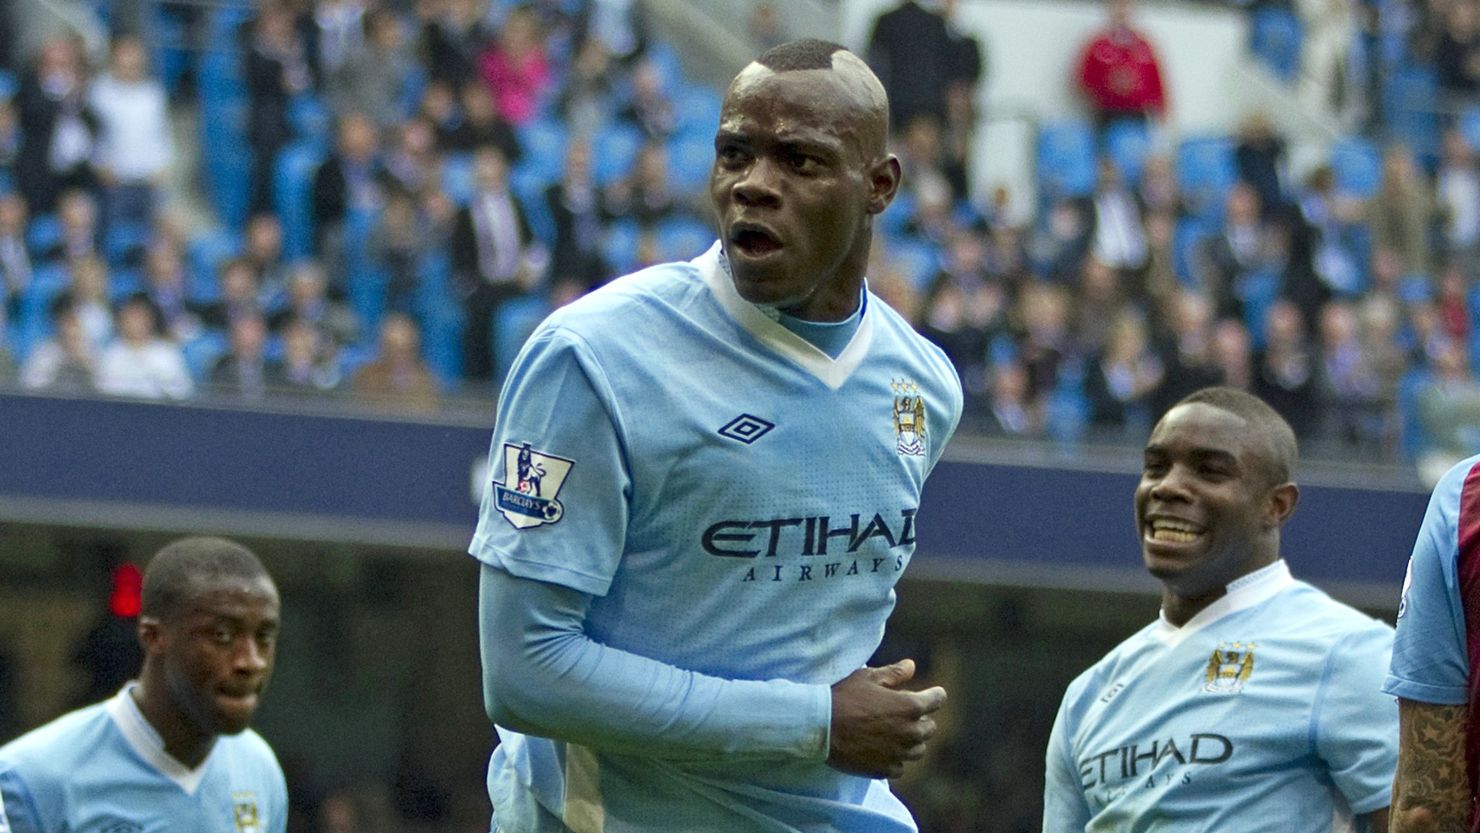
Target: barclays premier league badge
{"x": 532, "y": 480}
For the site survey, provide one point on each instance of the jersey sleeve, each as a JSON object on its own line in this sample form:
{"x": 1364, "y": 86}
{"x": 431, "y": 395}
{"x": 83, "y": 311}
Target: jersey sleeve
{"x": 1355, "y": 725}
{"x": 1429, "y": 662}
{"x": 1064, "y": 807}
{"x": 555, "y": 503}
{"x": 19, "y": 812}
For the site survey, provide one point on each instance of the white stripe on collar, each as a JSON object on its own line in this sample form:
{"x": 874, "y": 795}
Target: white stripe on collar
{"x": 146, "y": 741}
{"x": 1242, "y": 593}
{"x": 831, "y": 372}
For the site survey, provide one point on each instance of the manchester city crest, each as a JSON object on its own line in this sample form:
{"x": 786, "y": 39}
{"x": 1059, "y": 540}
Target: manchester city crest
{"x": 532, "y": 480}
{"x": 1229, "y": 668}
{"x": 244, "y": 812}
{"x": 909, "y": 418}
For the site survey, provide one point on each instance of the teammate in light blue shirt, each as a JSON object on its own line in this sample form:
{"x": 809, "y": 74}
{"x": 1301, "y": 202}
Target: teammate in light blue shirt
{"x": 171, "y": 753}
{"x": 1434, "y": 662}
{"x": 705, "y": 482}
{"x": 1252, "y": 704}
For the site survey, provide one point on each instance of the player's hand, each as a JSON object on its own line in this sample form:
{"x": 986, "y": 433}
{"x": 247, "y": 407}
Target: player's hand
{"x": 876, "y": 726}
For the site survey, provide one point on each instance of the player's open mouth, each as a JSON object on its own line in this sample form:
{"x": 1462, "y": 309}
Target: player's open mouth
{"x": 1171, "y": 531}
{"x": 753, "y": 241}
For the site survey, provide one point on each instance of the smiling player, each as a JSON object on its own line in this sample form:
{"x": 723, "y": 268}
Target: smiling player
{"x": 171, "y": 752}
{"x": 1253, "y": 703}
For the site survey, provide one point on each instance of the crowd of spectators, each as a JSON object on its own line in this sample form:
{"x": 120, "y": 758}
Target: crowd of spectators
{"x": 397, "y": 192}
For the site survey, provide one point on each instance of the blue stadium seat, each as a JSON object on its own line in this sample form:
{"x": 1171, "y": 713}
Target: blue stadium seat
{"x": 202, "y": 352}
{"x": 292, "y": 187}
{"x": 690, "y": 157}
{"x": 513, "y": 322}
{"x": 1066, "y": 160}
{"x": 43, "y": 232}
{"x": 698, "y": 109}
{"x": 1275, "y": 36}
{"x": 457, "y": 177}
{"x": 8, "y": 84}
{"x": 898, "y": 215}
{"x": 205, "y": 253}
{"x": 310, "y": 119}
{"x": 619, "y": 246}
{"x": 1411, "y": 105}
{"x": 543, "y": 142}
{"x": 1205, "y": 172}
{"x": 683, "y": 238}
{"x": 917, "y": 260}
{"x": 614, "y": 151}
{"x": 1128, "y": 143}
{"x": 1469, "y": 126}
{"x": 1187, "y": 239}
{"x": 34, "y": 326}
{"x": 1357, "y": 165}
{"x": 1412, "y": 438}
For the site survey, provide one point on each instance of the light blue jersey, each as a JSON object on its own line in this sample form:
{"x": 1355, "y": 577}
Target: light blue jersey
{"x": 103, "y": 769}
{"x": 1431, "y": 663}
{"x": 1262, "y": 714}
{"x": 740, "y": 504}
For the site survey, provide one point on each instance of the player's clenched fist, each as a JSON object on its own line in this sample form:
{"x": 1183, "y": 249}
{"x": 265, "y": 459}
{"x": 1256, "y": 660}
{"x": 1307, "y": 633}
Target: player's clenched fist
{"x": 876, "y": 726}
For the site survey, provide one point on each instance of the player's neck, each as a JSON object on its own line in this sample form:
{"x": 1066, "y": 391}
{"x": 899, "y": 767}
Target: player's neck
{"x": 1179, "y": 610}
{"x": 181, "y": 741}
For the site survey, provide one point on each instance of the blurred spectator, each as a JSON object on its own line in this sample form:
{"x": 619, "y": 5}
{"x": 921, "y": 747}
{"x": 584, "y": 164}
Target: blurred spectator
{"x": 1349, "y": 383}
{"x": 439, "y": 106}
{"x": 64, "y": 362}
{"x": 765, "y": 28}
{"x": 920, "y": 57}
{"x": 645, "y": 195}
{"x": 515, "y": 67}
{"x": 244, "y": 372}
{"x": 622, "y": 25}
{"x": 649, "y": 107}
{"x": 1118, "y": 71}
{"x": 588, "y": 99}
{"x": 1158, "y": 190}
{"x": 1287, "y": 370}
{"x": 310, "y": 363}
{"x": 141, "y": 362}
{"x": 58, "y": 127}
{"x": 337, "y": 36}
{"x": 351, "y": 180}
{"x": 482, "y": 124}
{"x": 495, "y": 257}
{"x": 1009, "y": 410}
{"x": 89, "y": 285}
{"x": 165, "y": 282}
{"x": 413, "y": 162}
{"x": 1099, "y": 299}
{"x": 1062, "y": 240}
{"x": 262, "y": 248}
{"x": 1457, "y": 52}
{"x": 1448, "y": 411}
{"x": 1403, "y": 211}
{"x": 1233, "y": 352}
{"x": 1156, "y": 284}
{"x": 453, "y": 35}
{"x": 1452, "y": 300}
{"x": 1321, "y": 262}
{"x": 308, "y": 301}
{"x": 924, "y": 164}
{"x": 10, "y": 142}
{"x": 575, "y": 206}
{"x": 397, "y": 377}
{"x": 1260, "y": 158}
{"x": 15, "y": 255}
{"x": 1245, "y": 248}
{"x": 375, "y": 75}
{"x": 965, "y": 310}
{"x": 1119, "y": 233}
{"x": 241, "y": 295}
{"x": 81, "y": 234}
{"x": 1043, "y": 343}
{"x": 277, "y": 69}
{"x": 1187, "y": 349}
{"x": 399, "y": 245}
{"x": 135, "y": 148}
{"x": 1329, "y": 29}
{"x": 1457, "y": 186}
{"x": 1124, "y": 379}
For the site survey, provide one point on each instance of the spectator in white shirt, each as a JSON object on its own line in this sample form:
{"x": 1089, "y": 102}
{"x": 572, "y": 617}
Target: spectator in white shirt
{"x": 134, "y": 149}
{"x": 141, "y": 362}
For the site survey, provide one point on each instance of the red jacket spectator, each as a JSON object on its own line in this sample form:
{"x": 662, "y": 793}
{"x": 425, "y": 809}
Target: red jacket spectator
{"x": 1119, "y": 71}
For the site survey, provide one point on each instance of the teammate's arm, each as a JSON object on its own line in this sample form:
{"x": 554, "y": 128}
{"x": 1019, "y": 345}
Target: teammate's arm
{"x": 1431, "y": 793}
{"x": 543, "y": 675}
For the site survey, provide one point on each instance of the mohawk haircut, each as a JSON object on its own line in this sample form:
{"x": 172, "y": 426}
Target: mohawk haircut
{"x": 186, "y": 567}
{"x": 805, "y": 53}
{"x": 1265, "y": 422}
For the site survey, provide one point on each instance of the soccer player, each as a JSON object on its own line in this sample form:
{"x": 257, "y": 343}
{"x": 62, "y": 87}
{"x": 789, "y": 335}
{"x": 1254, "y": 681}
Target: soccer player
{"x": 705, "y": 483}
{"x": 171, "y": 752}
{"x": 1434, "y": 657}
{"x": 1253, "y": 703}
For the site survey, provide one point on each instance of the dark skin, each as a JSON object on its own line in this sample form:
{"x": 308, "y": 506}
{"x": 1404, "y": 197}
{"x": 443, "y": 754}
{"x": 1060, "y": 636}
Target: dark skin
{"x": 1431, "y": 792}
{"x": 1209, "y": 509}
{"x": 207, "y": 664}
{"x": 800, "y": 171}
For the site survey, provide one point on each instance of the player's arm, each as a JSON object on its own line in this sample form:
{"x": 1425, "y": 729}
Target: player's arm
{"x": 18, "y": 810}
{"x": 1064, "y": 807}
{"x": 1431, "y": 793}
{"x": 543, "y": 675}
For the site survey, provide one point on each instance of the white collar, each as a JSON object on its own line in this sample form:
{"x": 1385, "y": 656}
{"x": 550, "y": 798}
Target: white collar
{"x": 142, "y": 736}
{"x": 831, "y": 372}
{"x": 1242, "y": 593}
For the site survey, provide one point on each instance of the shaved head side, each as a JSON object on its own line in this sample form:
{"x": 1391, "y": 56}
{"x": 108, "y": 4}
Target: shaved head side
{"x": 851, "y": 72}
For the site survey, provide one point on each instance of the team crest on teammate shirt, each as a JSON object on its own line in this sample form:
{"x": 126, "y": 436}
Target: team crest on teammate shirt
{"x": 244, "y": 812}
{"x": 532, "y": 481}
{"x": 909, "y": 418}
{"x": 1229, "y": 667}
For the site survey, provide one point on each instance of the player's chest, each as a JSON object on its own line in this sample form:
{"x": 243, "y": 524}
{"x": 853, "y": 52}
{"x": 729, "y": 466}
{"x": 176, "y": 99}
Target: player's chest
{"x": 165, "y": 808}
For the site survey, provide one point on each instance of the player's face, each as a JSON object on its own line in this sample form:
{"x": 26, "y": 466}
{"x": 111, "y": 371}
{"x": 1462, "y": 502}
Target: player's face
{"x": 1204, "y": 500}
{"x": 793, "y": 185}
{"x": 218, "y": 654}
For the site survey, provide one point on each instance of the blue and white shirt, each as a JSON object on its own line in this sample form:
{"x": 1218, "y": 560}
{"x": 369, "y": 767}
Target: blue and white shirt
{"x": 1262, "y": 713}
{"x": 739, "y": 503}
{"x": 103, "y": 768}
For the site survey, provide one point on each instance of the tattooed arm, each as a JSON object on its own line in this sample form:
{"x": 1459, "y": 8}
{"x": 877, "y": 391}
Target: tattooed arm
{"x": 1431, "y": 793}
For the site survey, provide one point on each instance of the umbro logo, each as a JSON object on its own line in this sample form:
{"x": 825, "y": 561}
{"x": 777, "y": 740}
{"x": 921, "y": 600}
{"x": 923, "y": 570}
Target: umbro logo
{"x": 746, "y": 428}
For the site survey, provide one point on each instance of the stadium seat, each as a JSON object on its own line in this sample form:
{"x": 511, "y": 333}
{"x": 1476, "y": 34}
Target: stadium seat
{"x": 513, "y": 322}
{"x": 698, "y": 109}
{"x": 34, "y": 326}
{"x": 457, "y": 177}
{"x": 1275, "y": 38}
{"x": 1066, "y": 160}
{"x": 8, "y": 84}
{"x": 1357, "y": 165}
{"x": 619, "y": 246}
{"x": 124, "y": 241}
{"x": 918, "y": 261}
{"x": 614, "y": 151}
{"x": 1205, "y": 172}
{"x": 43, "y": 232}
{"x": 205, "y": 254}
{"x": 1128, "y": 143}
{"x": 1411, "y": 106}
{"x": 1412, "y": 438}
{"x": 292, "y": 188}
{"x": 310, "y": 119}
{"x": 543, "y": 142}
{"x": 1187, "y": 239}
{"x": 441, "y": 340}
{"x": 690, "y": 158}
{"x": 202, "y": 352}
{"x": 1469, "y": 126}
{"x": 683, "y": 238}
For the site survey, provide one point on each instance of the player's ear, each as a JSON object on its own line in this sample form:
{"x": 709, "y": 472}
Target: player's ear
{"x": 151, "y": 636}
{"x": 883, "y": 181}
{"x": 1281, "y": 504}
